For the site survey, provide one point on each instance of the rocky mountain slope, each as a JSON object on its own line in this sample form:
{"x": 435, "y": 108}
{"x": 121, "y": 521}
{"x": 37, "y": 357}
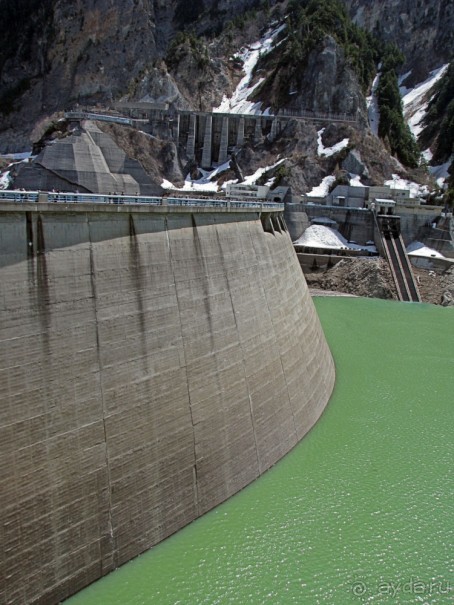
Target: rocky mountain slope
{"x": 194, "y": 55}
{"x": 422, "y": 29}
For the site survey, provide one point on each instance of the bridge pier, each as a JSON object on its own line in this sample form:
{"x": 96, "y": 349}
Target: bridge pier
{"x": 206, "y": 153}
{"x": 224, "y": 141}
{"x": 258, "y": 131}
{"x": 240, "y": 133}
{"x": 274, "y": 130}
{"x": 190, "y": 147}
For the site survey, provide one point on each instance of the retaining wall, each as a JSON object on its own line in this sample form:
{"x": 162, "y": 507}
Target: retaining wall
{"x": 153, "y": 362}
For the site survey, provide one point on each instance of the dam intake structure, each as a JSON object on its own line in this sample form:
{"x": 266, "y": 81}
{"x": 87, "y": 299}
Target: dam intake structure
{"x": 154, "y": 361}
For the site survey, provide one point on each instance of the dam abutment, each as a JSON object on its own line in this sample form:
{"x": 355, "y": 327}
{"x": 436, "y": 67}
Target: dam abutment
{"x": 154, "y": 361}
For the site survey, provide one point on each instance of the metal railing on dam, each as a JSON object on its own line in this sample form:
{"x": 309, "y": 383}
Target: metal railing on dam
{"x": 92, "y": 198}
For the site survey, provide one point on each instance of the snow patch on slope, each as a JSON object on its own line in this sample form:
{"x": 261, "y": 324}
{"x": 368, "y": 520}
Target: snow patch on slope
{"x": 420, "y": 249}
{"x": 355, "y": 180}
{"x": 440, "y": 172}
{"x": 323, "y": 189}
{"x": 253, "y": 178}
{"x": 329, "y": 151}
{"x": 5, "y": 180}
{"x": 415, "y": 100}
{"x": 319, "y": 236}
{"x": 416, "y": 190}
{"x": 206, "y": 183}
{"x": 372, "y": 106}
{"x": 239, "y": 103}
{"x": 17, "y": 157}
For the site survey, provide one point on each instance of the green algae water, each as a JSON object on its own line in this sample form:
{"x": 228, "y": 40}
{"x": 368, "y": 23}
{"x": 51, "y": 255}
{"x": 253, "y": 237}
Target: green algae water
{"x": 361, "y": 511}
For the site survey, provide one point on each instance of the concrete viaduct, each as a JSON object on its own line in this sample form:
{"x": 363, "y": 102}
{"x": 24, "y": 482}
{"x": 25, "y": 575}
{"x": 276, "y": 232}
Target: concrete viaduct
{"x": 206, "y": 137}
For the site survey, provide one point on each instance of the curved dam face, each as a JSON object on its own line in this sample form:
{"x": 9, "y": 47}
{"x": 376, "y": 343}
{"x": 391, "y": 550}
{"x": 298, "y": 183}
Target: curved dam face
{"x": 153, "y": 362}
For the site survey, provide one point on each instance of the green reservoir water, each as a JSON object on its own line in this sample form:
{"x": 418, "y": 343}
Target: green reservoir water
{"x": 361, "y": 511}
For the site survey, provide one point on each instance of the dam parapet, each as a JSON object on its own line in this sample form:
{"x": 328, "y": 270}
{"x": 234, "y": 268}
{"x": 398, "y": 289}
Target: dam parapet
{"x": 154, "y": 361}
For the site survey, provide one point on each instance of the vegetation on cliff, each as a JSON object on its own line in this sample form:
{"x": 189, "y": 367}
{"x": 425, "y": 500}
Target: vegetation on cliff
{"x": 187, "y": 44}
{"x": 438, "y": 131}
{"x": 393, "y": 128}
{"x": 308, "y": 23}
{"x": 439, "y": 119}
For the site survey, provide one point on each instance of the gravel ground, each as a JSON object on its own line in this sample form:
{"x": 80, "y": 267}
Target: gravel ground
{"x": 372, "y": 278}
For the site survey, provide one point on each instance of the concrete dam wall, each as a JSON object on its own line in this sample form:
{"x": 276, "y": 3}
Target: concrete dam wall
{"x": 153, "y": 362}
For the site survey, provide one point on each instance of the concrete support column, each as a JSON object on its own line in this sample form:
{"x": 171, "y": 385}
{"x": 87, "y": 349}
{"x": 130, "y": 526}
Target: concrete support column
{"x": 177, "y": 134}
{"x": 224, "y": 141}
{"x": 190, "y": 147}
{"x": 274, "y": 130}
{"x": 240, "y": 133}
{"x": 258, "y": 131}
{"x": 206, "y": 153}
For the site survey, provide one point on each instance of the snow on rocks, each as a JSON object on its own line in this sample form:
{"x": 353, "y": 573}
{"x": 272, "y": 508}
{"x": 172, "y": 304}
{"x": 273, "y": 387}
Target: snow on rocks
{"x": 323, "y": 189}
{"x": 355, "y": 180}
{"x": 208, "y": 183}
{"x": 372, "y": 106}
{"x": 319, "y": 236}
{"x": 250, "y": 55}
{"x": 440, "y": 172}
{"x": 205, "y": 183}
{"x": 415, "y": 100}
{"x": 5, "y": 180}
{"x": 420, "y": 249}
{"x": 12, "y": 158}
{"x": 253, "y": 178}
{"x": 416, "y": 190}
{"x": 329, "y": 151}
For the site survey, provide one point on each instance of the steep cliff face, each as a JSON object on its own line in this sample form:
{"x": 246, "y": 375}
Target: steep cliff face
{"x": 78, "y": 51}
{"x": 56, "y": 53}
{"x": 325, "y": 83}
{"x": 422, "y": 29}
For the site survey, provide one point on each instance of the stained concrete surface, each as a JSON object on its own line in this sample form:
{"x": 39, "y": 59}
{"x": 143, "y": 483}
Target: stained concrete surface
{"x": 152, "y": 363}
{"x": 87, "y": 160}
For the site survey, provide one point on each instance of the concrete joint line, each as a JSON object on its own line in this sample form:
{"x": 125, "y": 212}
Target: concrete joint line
{"x": 112, "y": 540}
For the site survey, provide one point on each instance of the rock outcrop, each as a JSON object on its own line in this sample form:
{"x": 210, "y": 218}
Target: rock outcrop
{"x": 361, "y": 277}
{"x": 424, "y": 31}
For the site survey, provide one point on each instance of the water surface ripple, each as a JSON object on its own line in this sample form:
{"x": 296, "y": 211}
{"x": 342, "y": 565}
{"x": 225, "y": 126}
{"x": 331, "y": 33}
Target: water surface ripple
{"x": 361, "y": 511}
